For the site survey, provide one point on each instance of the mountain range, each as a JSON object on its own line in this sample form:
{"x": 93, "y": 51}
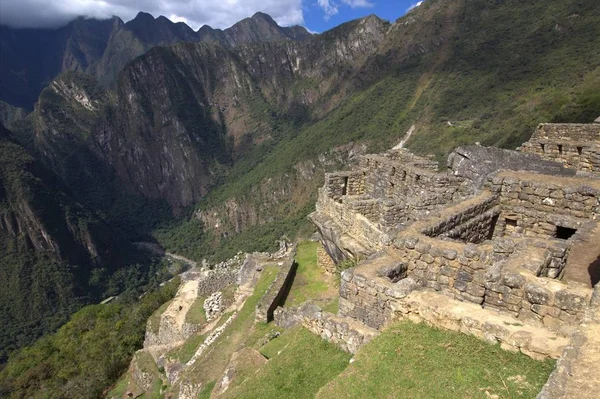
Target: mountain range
{"x": 31, "y": 58}
{"x": 215, "y": 141}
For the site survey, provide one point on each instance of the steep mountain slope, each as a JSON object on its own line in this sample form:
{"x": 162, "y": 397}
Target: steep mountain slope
{"x": 31, "y": 58}
{"x": 459, "y": 71}
{"x": 181, "y": 115}
{"x": 246, "y": 132}
{"x": 50, "y": 247}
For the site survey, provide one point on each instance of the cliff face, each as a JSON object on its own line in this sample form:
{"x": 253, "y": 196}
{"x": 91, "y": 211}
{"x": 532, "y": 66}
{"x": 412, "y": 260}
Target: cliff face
{"x": 181, "y": 115}
{"x": 33, "y": 57}
{"x": 50, "y": 246}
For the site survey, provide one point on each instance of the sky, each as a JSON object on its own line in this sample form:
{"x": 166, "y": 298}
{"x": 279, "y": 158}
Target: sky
{"x": 315, "y": 15}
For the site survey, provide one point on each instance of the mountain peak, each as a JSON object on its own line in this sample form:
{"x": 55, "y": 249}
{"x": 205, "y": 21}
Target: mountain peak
{"x": 261, "y": 16}
{"x": 143, "y": 16}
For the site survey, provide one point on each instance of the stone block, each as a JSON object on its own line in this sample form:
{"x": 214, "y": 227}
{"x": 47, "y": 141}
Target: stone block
{"x": 571, "y": 301}
{"x": 423, "y": 247}
{"x": 514, "y": 280}
{"x": 464, "y": 276}
{"x": 460, "y": 285}
{"x": 537, "y": 294}
{"x": 450, "y": 254}
{"x": 475, "y": 290}
{"x": 427, "y": 258}
{"x": 471, "y": 251}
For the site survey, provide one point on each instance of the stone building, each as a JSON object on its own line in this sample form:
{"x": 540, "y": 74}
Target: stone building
{"x": 504, "y": 245}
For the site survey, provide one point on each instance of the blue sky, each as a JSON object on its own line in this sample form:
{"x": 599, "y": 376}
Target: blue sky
{"x": 318, "y": 19}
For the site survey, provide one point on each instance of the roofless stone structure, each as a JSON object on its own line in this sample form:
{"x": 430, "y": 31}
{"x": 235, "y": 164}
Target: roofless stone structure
{"x": 504, "y": 245}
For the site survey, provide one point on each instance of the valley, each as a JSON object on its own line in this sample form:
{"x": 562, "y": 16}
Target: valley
{"x": 133, "y": 151}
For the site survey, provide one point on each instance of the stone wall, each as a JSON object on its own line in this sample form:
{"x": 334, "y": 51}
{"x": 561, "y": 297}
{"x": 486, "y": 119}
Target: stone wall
{"x": 576, "y": 372}
{"x": 443, "y": 312}
{"x": 537, "y": 204}
{"x": 338, "y": 184}
{"x": 501, "y": 275}
{"x": 217, "y": 280}
{"x": 576, "y": 146}
{"x": 324, "y": 260}
{"x": 473, "y": 223}
{"x": 351, "y": 223}
{"x": 347, "y": 334}
{"x": 420, "y": 189}
{"x": 277, "y": 290}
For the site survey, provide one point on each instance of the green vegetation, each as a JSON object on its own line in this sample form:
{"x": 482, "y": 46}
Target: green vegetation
{"x": 311, "y": 282}
{"x": 196, "y": 313}
{"x": 87, "y": 354}
{"x": 241, "y": 333}
{"x": 206, "y": 391}
{"x": 417, "y": 361}
{"x": 154, "y": 320}
{"x": 300, "y": 363}
{"x": 185, "y": 352}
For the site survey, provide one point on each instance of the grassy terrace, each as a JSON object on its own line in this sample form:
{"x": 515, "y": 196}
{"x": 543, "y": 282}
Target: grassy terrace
{"x": 311, "y": 282}
{"x": 300, "y": 364}
{"x": 416, "y": 361}
{"x": 406, "y": 360}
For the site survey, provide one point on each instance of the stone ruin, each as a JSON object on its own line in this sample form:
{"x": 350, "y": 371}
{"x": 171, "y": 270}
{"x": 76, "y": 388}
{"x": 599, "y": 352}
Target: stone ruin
{"x": 504, "y": 245}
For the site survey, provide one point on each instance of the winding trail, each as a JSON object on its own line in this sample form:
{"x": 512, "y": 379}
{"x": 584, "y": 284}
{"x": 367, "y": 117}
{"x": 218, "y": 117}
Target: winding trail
{"x": 157, "y": 249}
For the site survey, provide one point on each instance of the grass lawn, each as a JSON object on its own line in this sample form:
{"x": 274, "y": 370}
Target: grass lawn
{"x": 196, "y": 314}
{"x": 185, "y": 352}
{"x": 416, "y": 361}
{"x": 300, "y": 363}
{"x": 311, "y": 282}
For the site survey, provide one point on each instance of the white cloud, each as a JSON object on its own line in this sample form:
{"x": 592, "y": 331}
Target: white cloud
{"x": 417, "y": 4}
{"x": 331, "y": 7}
{"x": 218, "y": 14}
{"x": 358, "y": 3}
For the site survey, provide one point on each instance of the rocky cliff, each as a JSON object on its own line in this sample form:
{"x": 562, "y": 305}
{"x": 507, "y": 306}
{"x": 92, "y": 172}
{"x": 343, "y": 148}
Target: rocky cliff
{"x": 50, "y": 247}
{"x": 33, "y": 57}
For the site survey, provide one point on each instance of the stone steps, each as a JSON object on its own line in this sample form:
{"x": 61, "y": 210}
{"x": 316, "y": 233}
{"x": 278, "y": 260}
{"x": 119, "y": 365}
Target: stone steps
{"x": 446, "y": 312}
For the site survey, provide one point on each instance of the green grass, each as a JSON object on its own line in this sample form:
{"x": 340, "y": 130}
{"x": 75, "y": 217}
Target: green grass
{"x": 120, "y": 387}
{"x": 185, "y": 352}
{"x": 311, "y": 282}
{"x": 305, "y": 363}
{"x": 196, "y": 313}
{"x": 333, "y": 306}
{"x": 416, "y": 361}
{"x": 206, "y": 390}
{"x": 154, "y": 320}
{"x": 241, "y": 333}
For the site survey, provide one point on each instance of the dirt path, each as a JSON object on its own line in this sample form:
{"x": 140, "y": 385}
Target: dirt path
{"x": 157, "y": 249}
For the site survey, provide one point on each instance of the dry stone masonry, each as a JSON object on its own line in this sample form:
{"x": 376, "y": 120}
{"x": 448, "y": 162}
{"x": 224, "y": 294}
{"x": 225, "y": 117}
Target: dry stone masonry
{"x": 504, "y": 245}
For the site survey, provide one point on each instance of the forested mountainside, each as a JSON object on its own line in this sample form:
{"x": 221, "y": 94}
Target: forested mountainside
{"x": 231, "y": 131}
{"x": 31, "y": 58}
{"x": 52, "y": 248}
